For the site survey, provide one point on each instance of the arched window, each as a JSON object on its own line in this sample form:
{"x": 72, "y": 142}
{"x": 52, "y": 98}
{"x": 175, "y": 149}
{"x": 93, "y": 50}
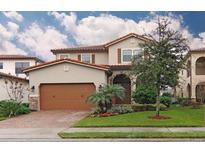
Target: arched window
{"x": 200, "y": 66}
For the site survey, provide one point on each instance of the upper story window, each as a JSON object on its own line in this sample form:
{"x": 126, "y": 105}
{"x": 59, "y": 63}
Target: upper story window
{"x": 64, "y": 56}
{"x": 128, "y": 54}
{"x": 86, "y": 57}
{"x": 1, "y": 65}
{"x": 19, "y": 66}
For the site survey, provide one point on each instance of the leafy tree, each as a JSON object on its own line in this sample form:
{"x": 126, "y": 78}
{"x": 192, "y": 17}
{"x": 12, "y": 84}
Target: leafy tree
{"x": 163, "y": 59}
{"x": 103, "y": 97}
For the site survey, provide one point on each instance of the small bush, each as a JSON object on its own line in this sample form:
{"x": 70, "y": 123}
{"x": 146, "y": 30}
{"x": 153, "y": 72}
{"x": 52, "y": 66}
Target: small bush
{"x": 144, "y": 95}
{"x": 139, "y": 107}
{"x": 95, "y": 111}
{"x": 9, "y": 108}
{"x": 147, "y": 107}
{"x": 167, "y": 94}
{"x": 166, "y": 100}
{"x": 25, "y": 104}
{"x": 121, "y": 109}
{"x": 23, "y": 110}
{"x": 183, "y": 100}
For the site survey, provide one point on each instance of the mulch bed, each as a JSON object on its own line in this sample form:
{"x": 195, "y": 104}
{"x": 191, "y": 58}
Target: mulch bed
{"x": 159, "y": 117}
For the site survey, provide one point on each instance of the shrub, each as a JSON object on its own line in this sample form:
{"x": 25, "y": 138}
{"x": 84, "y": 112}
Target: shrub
{"x": 121, "y": 109}
{"x": 95, "y": 110}
{"x": 23, "y": 110}
{"x": 147, "y": 107}
{"x": 103, "y": 97}
{"x": 183, "y": 100}
{"x": 26, "y": 104}
{"x": 166, "y": 100}
{"x": 167, "y": 94}
{"x": 9, "y": 108}
{"x": 144, "y": 95}
{"x": 139, "y": 107}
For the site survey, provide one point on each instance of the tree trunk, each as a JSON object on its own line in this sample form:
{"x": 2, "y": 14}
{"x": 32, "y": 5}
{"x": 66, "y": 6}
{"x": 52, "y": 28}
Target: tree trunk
{"x": 175, "y": 93}
{"x": 158, "y": 104}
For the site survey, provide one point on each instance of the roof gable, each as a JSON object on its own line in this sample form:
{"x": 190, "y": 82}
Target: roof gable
{"x": 55, "y": 62}
{"x": 100, "y": 48}
{"x": 140, "y": 37}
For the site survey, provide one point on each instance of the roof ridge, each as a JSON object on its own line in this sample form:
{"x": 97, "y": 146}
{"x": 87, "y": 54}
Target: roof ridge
{"x": 63, "y": 60}
{"x": 105, "y": 45}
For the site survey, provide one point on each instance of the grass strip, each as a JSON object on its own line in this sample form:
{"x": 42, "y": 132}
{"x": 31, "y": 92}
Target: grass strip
{"x": 198, "y": 134}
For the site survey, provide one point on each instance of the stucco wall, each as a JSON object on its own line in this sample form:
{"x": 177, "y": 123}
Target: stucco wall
{"x": 9, "y": 66}
{"x": 100, "y": 57}
{"x": 196, "y": 78}
{"x": 4, "y": 94}
{"x": 128, "y": 43}
{"x": 75, "y": 74}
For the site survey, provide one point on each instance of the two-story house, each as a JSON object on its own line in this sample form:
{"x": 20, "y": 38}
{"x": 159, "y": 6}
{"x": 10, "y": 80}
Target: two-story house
{"x": 192, "y": 81}
{"x": 66, "y": 82}
{"x": 11, "y": 68}
{"x": 14, "y": 64}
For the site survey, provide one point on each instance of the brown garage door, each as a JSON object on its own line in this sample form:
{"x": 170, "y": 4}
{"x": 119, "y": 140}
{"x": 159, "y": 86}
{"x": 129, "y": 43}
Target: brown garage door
{"x": 65, "y": 96}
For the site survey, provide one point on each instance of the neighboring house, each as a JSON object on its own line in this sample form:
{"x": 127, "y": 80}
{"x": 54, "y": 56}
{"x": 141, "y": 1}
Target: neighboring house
{"x": 5, "y": 90}
{"x": 11, "y": 66}
{"x": 14, "y": 64}
{"x": 192, "y": 81}
{"x": 66, "y": 82}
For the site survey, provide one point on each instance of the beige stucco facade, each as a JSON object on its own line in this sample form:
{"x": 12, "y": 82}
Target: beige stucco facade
{"x": 65, "y": 73}
{"x": 100, "y": 57}
{"x": 189, "y": 82}
{"x": 126, "y": 44}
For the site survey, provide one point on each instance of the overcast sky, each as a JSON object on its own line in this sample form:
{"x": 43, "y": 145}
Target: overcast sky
{"x": 35, "y": 33}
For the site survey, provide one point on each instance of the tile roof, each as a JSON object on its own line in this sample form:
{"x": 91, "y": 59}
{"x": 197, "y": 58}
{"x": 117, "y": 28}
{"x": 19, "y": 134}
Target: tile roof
{"x": 199, "y": 49}
{"x": 83, "y": 48}
{"x": 12, "y": 77}
{"x": 2, "y": 57}
{"x": 120, "y": 67}
{"x": 100, "y": 48}
{"x": 100, "y": 67}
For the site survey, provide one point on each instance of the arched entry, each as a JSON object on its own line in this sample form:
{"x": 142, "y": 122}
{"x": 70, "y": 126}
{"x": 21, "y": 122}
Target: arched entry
{"x": 189, "y": 90}
{"x": 125, "y": 82}
{"x": 200, "y": 92}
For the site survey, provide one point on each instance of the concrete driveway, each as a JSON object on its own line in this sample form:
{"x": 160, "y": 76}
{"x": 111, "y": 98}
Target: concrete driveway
{"x": 38, "y": 125}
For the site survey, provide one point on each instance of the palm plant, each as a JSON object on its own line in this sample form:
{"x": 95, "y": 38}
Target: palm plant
{"x": 103, "y": 97}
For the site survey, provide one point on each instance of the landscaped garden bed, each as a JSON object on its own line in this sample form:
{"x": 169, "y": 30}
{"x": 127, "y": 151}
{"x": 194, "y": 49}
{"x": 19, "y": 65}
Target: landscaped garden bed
{"x": 179, "y": 117}
{"x": 132, "y": 135}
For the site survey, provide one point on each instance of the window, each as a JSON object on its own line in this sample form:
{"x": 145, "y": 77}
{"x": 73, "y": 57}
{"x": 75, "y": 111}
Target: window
{"x": 127, "y": 54}
{"x": 1, "y": 65}
{"x": 20, "y": 66}
{"x": 86, "y": 57}
{"x": 64, "y": 56}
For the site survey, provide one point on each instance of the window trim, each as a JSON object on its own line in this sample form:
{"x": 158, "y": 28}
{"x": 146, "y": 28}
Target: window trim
{"x": 90, "y": 55}
{"x": 132, "y": 49}
{"x": 21, "y": 62}
{"x": 2, "y": 65}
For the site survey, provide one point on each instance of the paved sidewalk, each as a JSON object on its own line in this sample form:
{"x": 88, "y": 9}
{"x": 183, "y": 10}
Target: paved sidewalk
{"x": 136, "y": 129}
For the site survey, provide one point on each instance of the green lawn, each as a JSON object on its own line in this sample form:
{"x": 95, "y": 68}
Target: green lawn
{"x": 180, "y": 117}
{"x": 132, "y": 135}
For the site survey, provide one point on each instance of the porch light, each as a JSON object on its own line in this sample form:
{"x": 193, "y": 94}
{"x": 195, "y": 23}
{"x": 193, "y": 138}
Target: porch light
{"x": 32, "y": 88}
